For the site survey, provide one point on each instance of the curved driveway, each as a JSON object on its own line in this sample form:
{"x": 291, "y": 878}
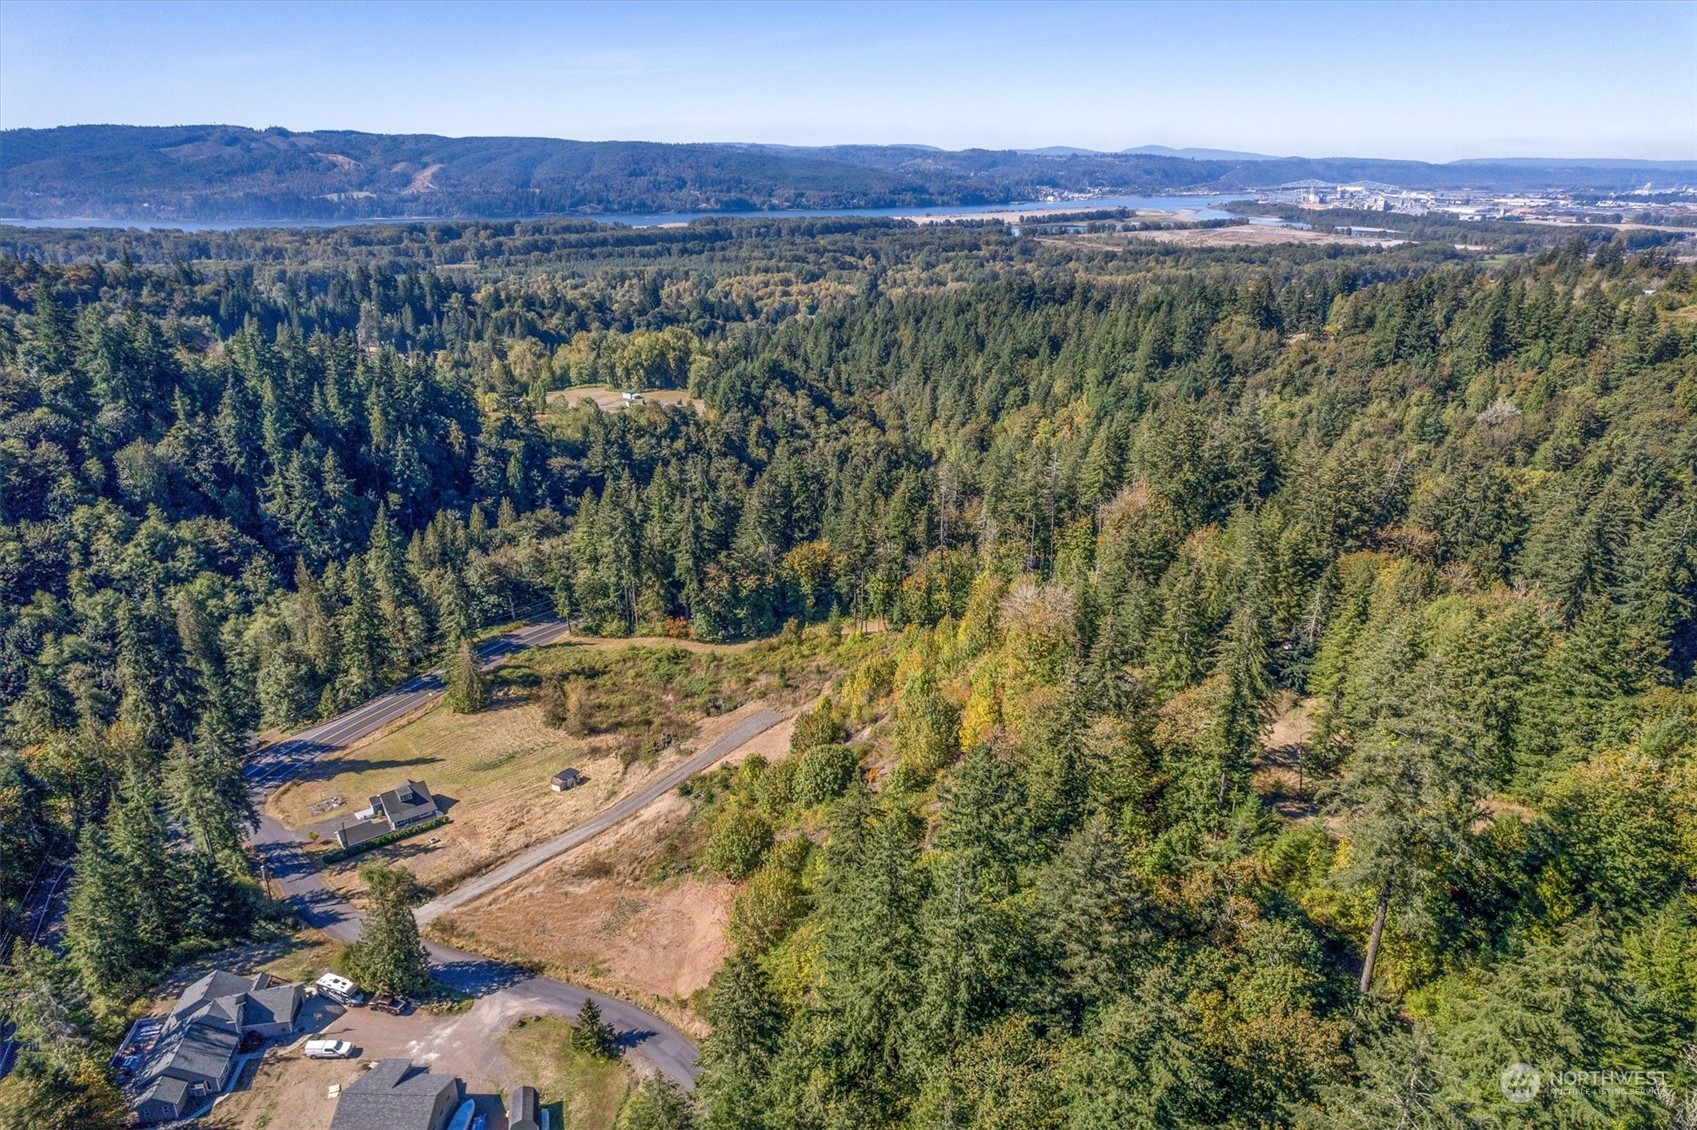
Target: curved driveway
{"x": 644, "y": 1035}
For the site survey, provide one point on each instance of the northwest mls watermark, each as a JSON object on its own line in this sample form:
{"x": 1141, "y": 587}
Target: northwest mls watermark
{"x": 1521, "y": 1082}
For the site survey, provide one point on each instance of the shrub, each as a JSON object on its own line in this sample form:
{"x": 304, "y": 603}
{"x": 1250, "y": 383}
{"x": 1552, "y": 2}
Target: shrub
{"x": 565, "y": 705}
{"x": 340, "y": 854}
{"x": 824, "y": 773}
{"x": 774, "y": 901}
{"x": 820, "y": 726}
{"x": 659, "y": 1104}
{"x": 741, "y": 837}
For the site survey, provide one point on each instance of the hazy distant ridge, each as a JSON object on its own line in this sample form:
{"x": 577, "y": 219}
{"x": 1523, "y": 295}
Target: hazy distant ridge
{"x": 216, "y": 172}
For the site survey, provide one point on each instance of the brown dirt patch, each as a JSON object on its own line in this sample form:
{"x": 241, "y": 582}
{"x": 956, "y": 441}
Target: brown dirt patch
{"x": 593, "y": 917}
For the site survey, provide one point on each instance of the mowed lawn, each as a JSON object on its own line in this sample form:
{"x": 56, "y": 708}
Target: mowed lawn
{"x": 491, "y": 770}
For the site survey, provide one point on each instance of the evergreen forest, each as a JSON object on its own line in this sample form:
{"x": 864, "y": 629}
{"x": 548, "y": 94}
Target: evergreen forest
{"x": 1290, "y": 719}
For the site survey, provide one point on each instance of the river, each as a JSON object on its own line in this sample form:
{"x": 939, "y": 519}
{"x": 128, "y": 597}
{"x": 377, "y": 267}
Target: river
{"x": 1199, "y": 207}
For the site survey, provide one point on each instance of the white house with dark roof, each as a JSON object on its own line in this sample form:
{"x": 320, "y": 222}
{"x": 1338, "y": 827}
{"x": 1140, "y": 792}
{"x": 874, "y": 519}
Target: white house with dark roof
{"x": 407, "y": 804}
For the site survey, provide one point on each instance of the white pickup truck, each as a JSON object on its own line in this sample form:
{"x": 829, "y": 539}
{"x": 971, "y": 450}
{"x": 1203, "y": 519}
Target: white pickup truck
{"x": 329, "y": 1049}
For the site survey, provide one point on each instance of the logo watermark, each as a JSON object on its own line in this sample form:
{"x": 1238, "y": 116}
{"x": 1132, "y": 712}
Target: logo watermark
{"x": 1521, "y": 1082}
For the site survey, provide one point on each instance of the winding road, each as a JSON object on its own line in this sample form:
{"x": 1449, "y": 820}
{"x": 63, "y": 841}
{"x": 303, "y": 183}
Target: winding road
{"x": 275, "y": 764}
{"x": 644, "y": 1035}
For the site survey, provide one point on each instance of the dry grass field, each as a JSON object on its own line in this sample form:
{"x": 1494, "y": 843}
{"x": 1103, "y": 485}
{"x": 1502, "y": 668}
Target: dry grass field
{"x": 642, "y": 700}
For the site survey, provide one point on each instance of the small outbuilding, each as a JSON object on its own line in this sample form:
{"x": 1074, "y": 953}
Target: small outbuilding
{"x": 565, "y": 779}
{"x": 523, "y": 1110}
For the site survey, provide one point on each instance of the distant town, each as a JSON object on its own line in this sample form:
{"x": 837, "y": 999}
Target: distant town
{"x": 1649, "y": 205}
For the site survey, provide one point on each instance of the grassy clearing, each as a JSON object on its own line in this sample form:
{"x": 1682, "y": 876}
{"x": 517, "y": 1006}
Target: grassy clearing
{"x": 634, "y": 701}
{"x": 610, "y": 399}
{"x": 581, "y": 1091}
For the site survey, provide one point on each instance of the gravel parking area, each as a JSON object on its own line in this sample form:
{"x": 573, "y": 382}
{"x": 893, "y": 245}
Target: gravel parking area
{"x": 291, "y": 1092}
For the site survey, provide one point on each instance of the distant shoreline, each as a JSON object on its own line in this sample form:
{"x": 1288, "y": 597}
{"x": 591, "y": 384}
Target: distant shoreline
{"x": 1173, "y": 202}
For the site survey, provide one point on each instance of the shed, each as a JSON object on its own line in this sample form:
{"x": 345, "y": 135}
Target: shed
{"x": 566, "y": 779}
{"x": 523, "y": 1110}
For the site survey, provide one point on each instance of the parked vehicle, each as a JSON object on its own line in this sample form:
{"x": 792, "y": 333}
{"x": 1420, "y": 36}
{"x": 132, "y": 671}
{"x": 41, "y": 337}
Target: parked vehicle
{"x": 391, "y": 1004}
{"x": 463, "y": 1116}
{"x": 339, "y": 989}
{"x": 329, "y": 1049}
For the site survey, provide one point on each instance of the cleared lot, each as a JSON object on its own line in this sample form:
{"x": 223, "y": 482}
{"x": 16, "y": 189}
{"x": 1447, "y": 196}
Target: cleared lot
{"x": 491, "y": 769}
{"x": 610, "y": 399}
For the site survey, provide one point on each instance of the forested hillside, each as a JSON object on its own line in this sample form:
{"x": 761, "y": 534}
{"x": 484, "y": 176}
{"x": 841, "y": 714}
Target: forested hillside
{"x": 213, "y": 172}
{"x": 1293, "y": 721}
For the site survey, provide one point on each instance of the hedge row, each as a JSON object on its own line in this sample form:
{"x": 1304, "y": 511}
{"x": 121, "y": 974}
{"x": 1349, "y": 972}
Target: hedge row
{"x": 336, "y": 855}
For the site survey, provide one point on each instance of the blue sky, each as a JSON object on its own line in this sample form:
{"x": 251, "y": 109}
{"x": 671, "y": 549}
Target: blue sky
{"x": 1435, "y": 81}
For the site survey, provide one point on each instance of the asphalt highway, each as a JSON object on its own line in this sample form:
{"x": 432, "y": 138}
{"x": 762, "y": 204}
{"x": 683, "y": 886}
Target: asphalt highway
{"x": 277, "y": 763}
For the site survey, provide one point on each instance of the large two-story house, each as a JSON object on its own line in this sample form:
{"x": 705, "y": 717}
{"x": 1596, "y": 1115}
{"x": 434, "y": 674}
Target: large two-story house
{"x": 192, "y": 1057}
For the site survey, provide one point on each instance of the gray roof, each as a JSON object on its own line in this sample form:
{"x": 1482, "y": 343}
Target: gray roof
{"x": 200, "y": 1036}
{"x": 192, "y": 1049}
{"x": 358, "y": 831}
{"x": 522, "y": 1109}
{"x": 279, "y": 1004}
{"x": 239, "y": 1002}
{"x": 408, "y": 804}
{"x": 167, "y": 1090}
{"x": 218, "y": 984}
{"x": 392, "y": 1096}
{"x": 174, "y": 1093}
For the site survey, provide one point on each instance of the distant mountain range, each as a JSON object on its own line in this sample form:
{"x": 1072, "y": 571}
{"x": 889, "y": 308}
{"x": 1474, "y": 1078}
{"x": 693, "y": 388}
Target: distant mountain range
{"x": 217, "y": 172}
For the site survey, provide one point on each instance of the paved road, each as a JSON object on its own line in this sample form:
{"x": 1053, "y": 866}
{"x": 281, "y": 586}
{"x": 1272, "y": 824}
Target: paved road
{"x": 754, "y": 724}
{"x": 645, "y": 1036}
{"x": 42, "y": 903}
{"x": 277, "y": 763}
